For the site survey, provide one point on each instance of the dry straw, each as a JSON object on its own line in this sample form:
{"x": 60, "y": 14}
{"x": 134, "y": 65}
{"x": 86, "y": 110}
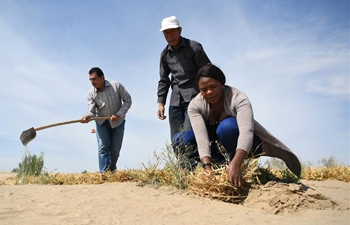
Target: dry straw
{"x": 215, "y": 185}
{"x": 336, "y": 172}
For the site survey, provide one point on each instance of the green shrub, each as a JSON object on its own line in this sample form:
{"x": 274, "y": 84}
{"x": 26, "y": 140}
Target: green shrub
{"x": 31, "y": 165}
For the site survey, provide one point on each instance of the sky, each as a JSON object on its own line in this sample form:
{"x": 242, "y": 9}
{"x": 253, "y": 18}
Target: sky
{"x": 291, "y": 58}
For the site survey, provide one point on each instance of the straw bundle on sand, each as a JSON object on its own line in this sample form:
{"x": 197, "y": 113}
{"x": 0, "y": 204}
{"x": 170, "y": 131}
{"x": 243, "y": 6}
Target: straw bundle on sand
{"x": 215, "y": 185}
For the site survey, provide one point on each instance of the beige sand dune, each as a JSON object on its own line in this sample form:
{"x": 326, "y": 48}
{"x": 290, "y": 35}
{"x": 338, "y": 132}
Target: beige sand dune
{"x": 314, "y": 202}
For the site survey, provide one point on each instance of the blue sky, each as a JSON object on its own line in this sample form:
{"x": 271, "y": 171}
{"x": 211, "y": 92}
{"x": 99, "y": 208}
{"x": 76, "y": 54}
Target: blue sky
{"x": 290, "y": 57}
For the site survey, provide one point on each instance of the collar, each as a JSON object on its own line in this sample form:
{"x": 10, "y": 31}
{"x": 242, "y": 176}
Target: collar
{"x": 106, "y": 85}
{"x": 182, "y": 43}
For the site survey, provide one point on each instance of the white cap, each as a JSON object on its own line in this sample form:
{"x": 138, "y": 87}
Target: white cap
{"x": 170, "y": 22}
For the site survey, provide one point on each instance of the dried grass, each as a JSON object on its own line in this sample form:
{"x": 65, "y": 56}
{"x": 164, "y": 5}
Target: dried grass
{"x": 215, "y": 185}
{"x": 95, "y": 178}
{"x": 336, "y": 172}
{"x": 164, "y": 170}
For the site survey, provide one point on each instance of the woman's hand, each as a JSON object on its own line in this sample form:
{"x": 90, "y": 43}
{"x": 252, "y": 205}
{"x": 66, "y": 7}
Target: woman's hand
{"x": 234, "y": 168}
{"x": 207, "y": 166}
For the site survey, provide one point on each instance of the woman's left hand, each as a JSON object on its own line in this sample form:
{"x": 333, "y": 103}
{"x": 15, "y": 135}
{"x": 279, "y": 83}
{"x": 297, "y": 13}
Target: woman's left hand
{"x": 234, "y": 168}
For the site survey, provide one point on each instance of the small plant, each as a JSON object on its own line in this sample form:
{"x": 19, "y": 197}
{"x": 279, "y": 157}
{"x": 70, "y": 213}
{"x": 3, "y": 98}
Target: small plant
{"x": 329, "y": 162}
{"x": 31, "y": 165}
{"x": 288, "y": 177}
{"x": 31, "y": 169}
{"x": 167, "y": 168}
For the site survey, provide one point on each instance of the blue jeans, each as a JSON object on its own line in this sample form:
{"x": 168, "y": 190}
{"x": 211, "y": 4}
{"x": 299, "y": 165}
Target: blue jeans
{"x": 184, "y": 143}
{"x": 109, "y": 143}
{"x": 178, "y": 118}
{"x": 227, "y": 134}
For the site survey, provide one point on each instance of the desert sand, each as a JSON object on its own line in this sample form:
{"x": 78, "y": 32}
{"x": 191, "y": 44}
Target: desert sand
{"x": 313, "y": 202}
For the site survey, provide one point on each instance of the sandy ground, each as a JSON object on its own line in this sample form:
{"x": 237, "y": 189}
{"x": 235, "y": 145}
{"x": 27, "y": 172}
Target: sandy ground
{"x": 313, "y": 202}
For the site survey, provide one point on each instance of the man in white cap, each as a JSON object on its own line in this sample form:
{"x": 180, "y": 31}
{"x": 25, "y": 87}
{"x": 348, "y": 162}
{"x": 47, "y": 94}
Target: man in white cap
{"x": 181, "y": 58}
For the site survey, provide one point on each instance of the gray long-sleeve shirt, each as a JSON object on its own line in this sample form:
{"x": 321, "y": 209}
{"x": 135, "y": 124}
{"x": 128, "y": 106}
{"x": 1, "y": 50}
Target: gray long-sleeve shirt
{"x": 237, "y": 105}
{"x": 183, "y": 65}
{"x": 113, "y": 99}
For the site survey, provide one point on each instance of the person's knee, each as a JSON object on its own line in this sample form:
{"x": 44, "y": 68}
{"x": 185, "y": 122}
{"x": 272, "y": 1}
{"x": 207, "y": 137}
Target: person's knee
{"x": 228, "y": 126}
{"x": 184, "y": 137}
{"x": 182, "y": 141}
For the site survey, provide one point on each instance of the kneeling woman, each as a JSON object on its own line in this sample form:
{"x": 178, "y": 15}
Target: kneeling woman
{"x": 224, "y": 114}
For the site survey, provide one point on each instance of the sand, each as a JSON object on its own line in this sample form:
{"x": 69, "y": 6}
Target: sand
{"x": 313, "y": 202}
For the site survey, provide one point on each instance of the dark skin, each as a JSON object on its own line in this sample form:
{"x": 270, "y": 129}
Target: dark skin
{"x": 173, "y": 37}
{"x": 212, "y": 91}
{"x": 99, "y": 83}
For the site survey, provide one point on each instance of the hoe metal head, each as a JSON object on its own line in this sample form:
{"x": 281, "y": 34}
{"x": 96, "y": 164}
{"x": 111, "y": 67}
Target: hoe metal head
{"x": 27, "y": 136}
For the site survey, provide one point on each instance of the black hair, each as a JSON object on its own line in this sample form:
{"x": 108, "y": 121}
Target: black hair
{"x": 211, "y": 71}
{"x": 96, "y": 70}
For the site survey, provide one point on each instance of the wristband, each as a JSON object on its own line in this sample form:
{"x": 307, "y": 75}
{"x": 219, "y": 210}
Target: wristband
{"x": 207, "y": 164}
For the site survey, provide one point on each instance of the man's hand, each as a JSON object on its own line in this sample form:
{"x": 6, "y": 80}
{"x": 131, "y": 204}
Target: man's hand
{"x": 85, "y": 119}
{"x": 234, "y": 169}
{"x": 115, "y": 117}
{"x": 160, "y": 112}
